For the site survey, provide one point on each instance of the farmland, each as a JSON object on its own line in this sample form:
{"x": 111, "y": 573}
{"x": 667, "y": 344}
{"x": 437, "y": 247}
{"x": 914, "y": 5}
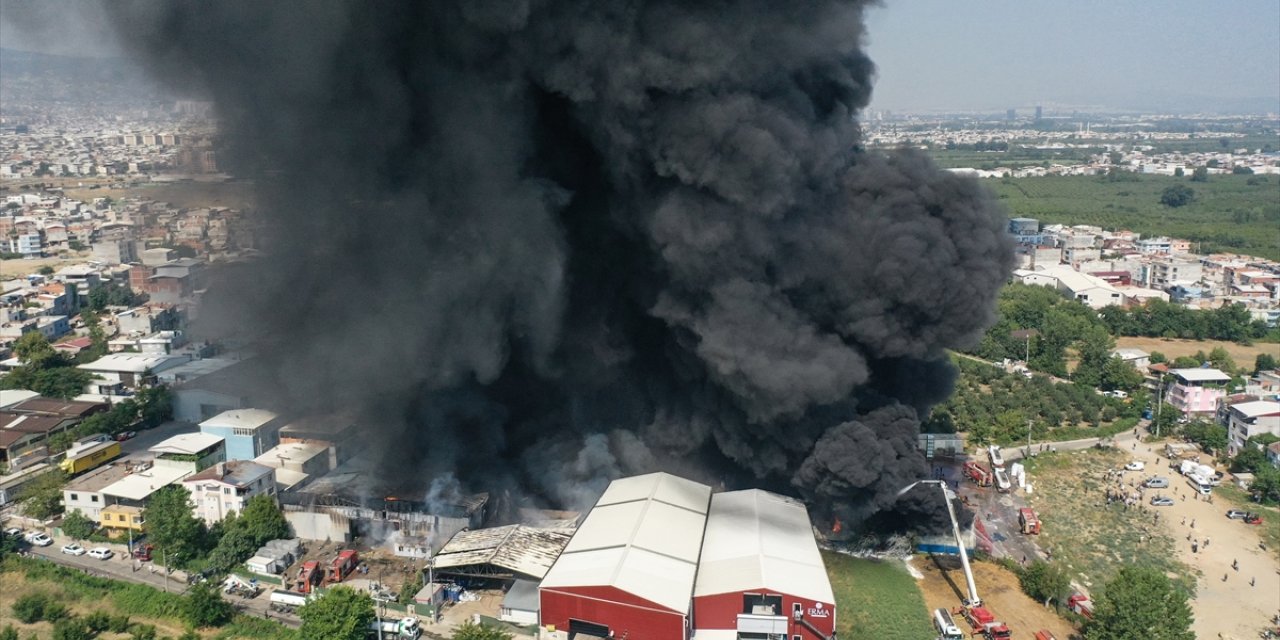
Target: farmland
{"x": 1227, "y": 214}
{"x": 876, "y": 599}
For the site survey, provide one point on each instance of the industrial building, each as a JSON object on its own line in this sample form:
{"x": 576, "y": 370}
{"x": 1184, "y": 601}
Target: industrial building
{"x": 760, "y": 571}
{"x": 629, "y": 569}
{"x": 660, "y": 557}
{"x": 505, "y": 553}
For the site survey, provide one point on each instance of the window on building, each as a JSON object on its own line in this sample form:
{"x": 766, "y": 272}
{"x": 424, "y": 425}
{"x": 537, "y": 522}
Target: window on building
{"x": 242, "y": 432}
{"x": 93, "y": 498}
{"x": 75, "y": 497}
{"x": 226, "y": 491}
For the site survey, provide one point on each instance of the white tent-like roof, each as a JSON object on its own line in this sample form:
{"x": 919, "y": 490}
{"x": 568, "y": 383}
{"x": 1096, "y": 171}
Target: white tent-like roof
{"x": 760, "y": 540}
{"x": 644, "y": 537}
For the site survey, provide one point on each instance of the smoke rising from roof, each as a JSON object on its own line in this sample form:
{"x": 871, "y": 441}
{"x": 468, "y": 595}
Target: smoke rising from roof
{"x": 540, "y": 243}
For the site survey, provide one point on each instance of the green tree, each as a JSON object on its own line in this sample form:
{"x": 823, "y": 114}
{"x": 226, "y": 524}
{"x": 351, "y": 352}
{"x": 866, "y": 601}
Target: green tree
{"x": 1177, "y": 195}
{"x": 78, "y": 526}
{"x": 97, "y": 337}
{"x": 171, "y": 525}
{"x": 71, "y": 629}
{"x": 1157, "y": 357}
{"x": 42, "y": 498}
{"x": 1265, "y": 362}
{"x": 155, "y": 405}
{"x": 1249, "y": 459}
{"x": 473, "y": 631}
{"x": 1045, "y": 582}
{"x": 1118, "y": 374}
{"x": 341, "y": 614}
{"x": 1210, "y": 436}
{"x": 1266, "y": 485}
{"x": 29, "y": 608}
{"x": 8, "y": 633}
{"x": 1222, "y": 360}
{"x": 1200, "y": 174}
{"x": 241, "y": 534}
{"x": 204, "y": 607}
{"x": 1094, "y": 347}
{"x": 1140, "y": 602}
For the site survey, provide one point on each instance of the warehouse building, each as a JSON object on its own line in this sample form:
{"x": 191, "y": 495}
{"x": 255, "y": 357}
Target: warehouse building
{"x": 629, "y": 570}
{"x": 760, "y": 573}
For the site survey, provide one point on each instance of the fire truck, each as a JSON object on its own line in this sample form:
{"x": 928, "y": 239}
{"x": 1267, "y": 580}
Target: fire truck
{"x": 1028, "y": 523}
{"x": 1081, "y": 604}
{"x": 977, "y": 474}
{"x": 309, "y": 577}
{"x": 984, "y": 623}
{"x": 342, "y": 566}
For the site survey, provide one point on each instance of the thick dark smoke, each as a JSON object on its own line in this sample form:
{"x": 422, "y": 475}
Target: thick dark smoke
{"x": 539, "y": 243}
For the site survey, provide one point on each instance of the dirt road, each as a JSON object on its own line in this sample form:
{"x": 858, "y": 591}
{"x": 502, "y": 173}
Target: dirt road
{"x": 1232, "y": 607}
{"x": 943, "y": 587}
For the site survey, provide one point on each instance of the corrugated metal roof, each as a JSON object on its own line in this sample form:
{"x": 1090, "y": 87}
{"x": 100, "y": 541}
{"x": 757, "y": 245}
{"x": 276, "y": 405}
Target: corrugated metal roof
{"x": 760, "y": 540}
{"x": 521, "y": 549}
{"x": 643, "y": 537}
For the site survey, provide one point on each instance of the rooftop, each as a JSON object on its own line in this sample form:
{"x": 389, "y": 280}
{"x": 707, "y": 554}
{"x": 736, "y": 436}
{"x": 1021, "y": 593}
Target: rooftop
{"x": 10, "y": 397}
{"x": 240, "y": 419}
{"x": 186, "y": 443}
{"x": 238, "y": 473}
{"x": 287, "y": 453}
{"x": 27, "y": 423}
{"x": 518, "y": 548}
{"x": 760, "y": 540}
{"x": 643, "y": 536}
{"x": 58, "y": 407}
{"x": 1257, "y": 408}
{"x": 140, "y": 485}
{"x": 133, "y": 363}
{"x": 97, "y": 479}
{"x": 1201, "y": 375}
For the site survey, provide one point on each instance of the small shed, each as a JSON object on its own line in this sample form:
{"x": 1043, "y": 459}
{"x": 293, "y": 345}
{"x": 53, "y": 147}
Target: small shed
{"x": 520, "y": 605}
{"x": 264, "y": 565}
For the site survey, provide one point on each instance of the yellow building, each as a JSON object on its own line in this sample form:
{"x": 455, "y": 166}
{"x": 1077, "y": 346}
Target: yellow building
{"x": 121, "y": 517}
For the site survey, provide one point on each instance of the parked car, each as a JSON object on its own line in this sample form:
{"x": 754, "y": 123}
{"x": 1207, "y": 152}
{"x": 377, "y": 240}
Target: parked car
{"x": 1156, "y": 483}
{"x": 39, "y": 539}
{"x": 13, "y": 531}
{"x": 1161, "y": 501}
{"x": 1236, "y": 514}
{"x": 101, "y": 553}
{"x": 73, "y": 549}
{"x": 1136, "y": 465}
{"x": 1252, "y": 518}
{"x": 126, "y": 435}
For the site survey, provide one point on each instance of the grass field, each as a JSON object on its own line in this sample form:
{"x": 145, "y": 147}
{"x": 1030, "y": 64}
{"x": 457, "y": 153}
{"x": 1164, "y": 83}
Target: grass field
{"x": 876, "y": 600}
{"x": 1090, "y": 537}
{"x": 1228, "y": 214}
{"x": 1243, "y": 355}
{"x": 83, "y": 594}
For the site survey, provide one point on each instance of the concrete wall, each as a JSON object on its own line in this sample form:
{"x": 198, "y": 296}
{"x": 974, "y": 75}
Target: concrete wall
{"x": 310, "y": 525}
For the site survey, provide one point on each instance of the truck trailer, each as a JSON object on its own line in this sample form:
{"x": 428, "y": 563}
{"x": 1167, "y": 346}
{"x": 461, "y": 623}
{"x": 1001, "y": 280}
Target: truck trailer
{"x": 89, "y": 456}
{"x": 404, "y": 628}
{"x": 946, "y": 625}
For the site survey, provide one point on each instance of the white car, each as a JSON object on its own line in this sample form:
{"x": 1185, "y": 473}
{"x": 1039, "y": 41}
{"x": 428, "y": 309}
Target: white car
{"x": 13, "y": 531}
{"x": 39, "y": 539}
{"x": 73, "y": 549}
{"x": 101, "y": 553}
{"x": 1136, "y": 465}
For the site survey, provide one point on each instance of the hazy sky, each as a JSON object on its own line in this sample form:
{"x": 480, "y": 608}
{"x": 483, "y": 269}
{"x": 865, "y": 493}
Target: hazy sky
{"x": 997, "y": 54}
{"x": 966, "y": 54}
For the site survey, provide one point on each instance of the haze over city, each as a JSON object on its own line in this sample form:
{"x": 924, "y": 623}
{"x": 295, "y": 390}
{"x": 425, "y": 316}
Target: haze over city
{"x": 646, "y": 319}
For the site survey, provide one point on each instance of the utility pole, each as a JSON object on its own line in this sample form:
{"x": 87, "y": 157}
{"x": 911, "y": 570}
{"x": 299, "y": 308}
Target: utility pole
{"x": 1159, "y": 402}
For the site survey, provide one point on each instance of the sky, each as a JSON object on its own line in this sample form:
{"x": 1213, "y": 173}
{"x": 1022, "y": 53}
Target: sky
{"x": 936, "y": 55}
{"x": 1000, "y": 54}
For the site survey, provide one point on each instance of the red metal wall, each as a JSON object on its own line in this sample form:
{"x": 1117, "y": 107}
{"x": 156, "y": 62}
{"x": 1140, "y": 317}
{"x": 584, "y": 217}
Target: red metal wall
{"x": 626, "y": 615}
{"x": 721, "y": 611}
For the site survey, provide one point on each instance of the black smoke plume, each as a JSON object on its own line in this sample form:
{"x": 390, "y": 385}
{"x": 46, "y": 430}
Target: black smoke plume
{"x": 539, "y": 243}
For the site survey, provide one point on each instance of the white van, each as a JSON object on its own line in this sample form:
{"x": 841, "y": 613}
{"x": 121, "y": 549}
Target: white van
{"x": 1200, "y": 484}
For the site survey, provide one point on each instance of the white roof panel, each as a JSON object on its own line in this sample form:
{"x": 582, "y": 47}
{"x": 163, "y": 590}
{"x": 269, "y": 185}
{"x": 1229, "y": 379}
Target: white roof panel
{"x": 662, "y": 487}
{"x": 643, "y": 537}
{"x": 186, "y": 443}
{"x": 138, "y": 486}
{"x": 761, "y": 540}
{"x": 1201, "y": 375}
{"x": 240, "y": 419}
{"x": 1257, "y": 408}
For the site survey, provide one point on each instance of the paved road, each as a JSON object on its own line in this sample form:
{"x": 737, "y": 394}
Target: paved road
{"x": 115, "y": 567}
{"x": 119, "y": 568}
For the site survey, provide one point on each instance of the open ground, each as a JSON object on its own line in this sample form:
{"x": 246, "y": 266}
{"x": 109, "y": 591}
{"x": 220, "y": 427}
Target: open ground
{"x": 1244, "y": 355}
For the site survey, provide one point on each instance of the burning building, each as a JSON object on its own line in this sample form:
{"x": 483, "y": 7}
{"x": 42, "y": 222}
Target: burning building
{"x": 540, "y": 245}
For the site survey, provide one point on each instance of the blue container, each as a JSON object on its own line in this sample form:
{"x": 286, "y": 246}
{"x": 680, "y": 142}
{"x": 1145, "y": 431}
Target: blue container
{"x": 1146, "y": 414}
